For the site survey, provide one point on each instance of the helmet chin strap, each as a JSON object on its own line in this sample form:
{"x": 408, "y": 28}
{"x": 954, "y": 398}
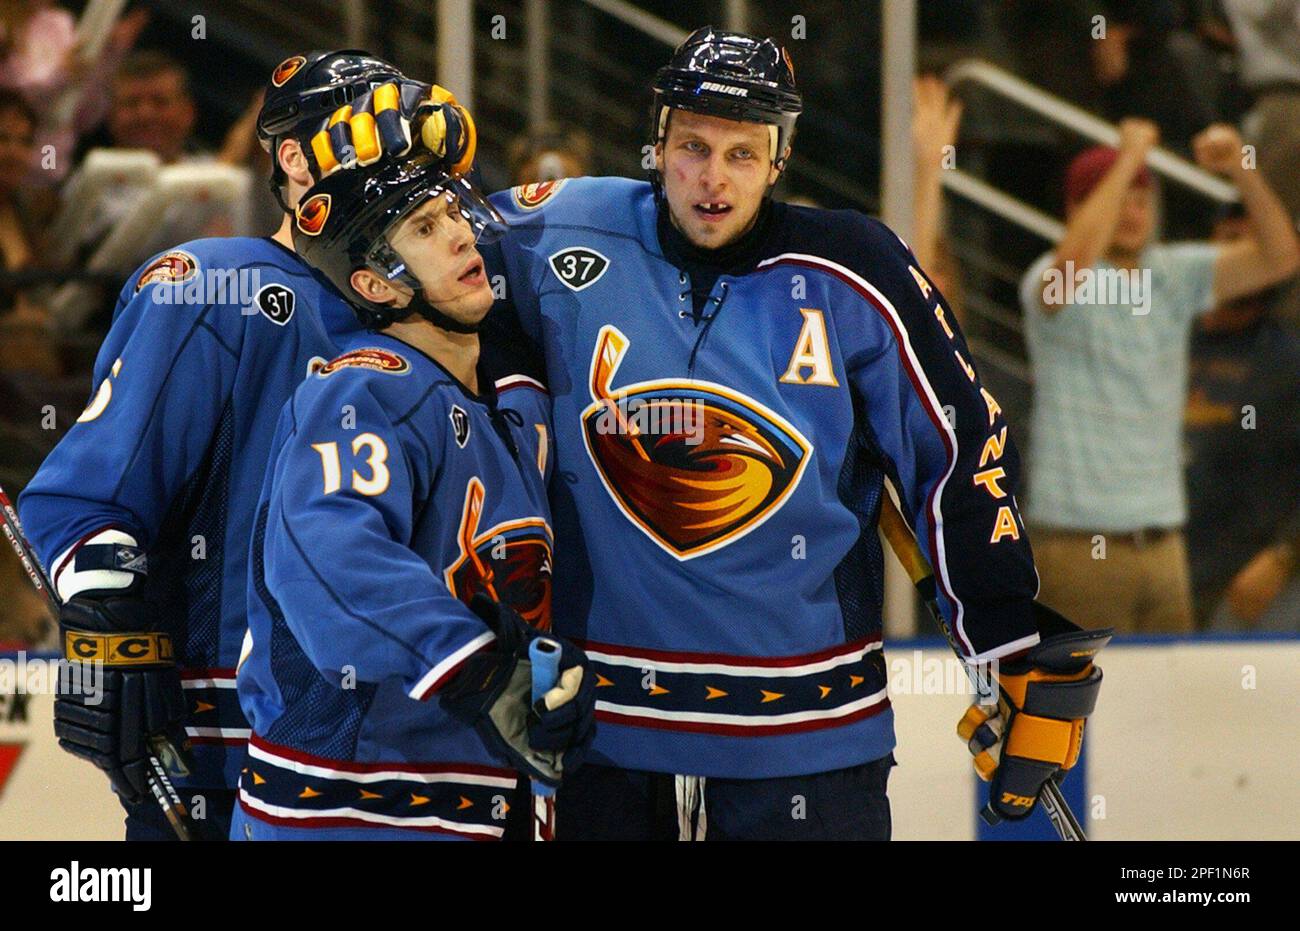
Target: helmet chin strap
{"x": 419, "y": 305}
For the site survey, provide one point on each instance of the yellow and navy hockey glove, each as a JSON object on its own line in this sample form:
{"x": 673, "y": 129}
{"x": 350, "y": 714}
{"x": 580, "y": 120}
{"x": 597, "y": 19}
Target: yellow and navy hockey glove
{"x": 115, "y": 642}
{"x": 382, "y": 122}
{"x": 1035, "y": 731}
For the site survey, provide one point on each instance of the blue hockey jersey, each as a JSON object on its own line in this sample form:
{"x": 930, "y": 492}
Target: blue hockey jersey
{"x": 208, "y": 341}
{"x": 719, "y": 476}
{"x": 395, "y": 495}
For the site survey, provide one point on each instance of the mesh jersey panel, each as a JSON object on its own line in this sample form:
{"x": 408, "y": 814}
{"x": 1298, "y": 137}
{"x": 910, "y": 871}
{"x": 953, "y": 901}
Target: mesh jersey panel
{"x": 860, "y": 576}
{"x": 187, "y": 589}
{"x": 317, "y": 713}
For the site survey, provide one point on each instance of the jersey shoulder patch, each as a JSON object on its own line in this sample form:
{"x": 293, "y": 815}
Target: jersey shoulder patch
{"x": 176, "y": 266}
{"x": 372, "y": 357}
{"x": 276, "y": 302}
{"x": 531, "y": 196}
{"x": 590, "y": 201}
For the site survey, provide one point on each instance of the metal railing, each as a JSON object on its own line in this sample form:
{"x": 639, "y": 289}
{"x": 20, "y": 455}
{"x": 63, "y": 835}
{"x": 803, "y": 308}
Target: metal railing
{"x": 1063, "y": 113}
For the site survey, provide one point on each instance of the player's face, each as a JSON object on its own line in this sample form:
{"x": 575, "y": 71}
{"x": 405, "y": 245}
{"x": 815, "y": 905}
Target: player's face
{"x": 715, "y": 173}
{"x": 437, "y": 244}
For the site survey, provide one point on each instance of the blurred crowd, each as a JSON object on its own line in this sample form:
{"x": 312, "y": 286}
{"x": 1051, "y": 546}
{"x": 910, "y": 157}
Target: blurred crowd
{"x": 1161, "y": 428}
{"x": 1162, "y": 446}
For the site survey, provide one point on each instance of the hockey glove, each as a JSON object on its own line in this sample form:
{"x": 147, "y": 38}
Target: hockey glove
{"x": 1035, "y": 731}
{"x": 123, "y": 695}
{"x": 492, "y": 692}
{"x": 382, "y": 121}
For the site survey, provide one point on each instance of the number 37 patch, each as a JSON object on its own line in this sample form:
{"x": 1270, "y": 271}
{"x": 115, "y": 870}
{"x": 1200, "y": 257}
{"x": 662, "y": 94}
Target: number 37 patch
{"x": 578, "y": 267}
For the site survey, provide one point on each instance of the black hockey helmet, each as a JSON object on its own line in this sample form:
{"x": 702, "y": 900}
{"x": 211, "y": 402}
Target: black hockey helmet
{"x": 343, "y": 224}
{"x": 733, "y": 76}
{"x": 305, "y": 89}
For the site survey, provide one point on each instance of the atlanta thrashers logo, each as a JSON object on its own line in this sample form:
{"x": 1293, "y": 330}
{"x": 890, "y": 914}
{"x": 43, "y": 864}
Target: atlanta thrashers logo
{"x": 381, "y": 360}
{"x": 692, "y": 491}
{"x": 287, "y": 69}
{"x": 313, "y": 214}
{"x": 510, "y": 563}
{"x": 531, "y": 196}
{"x": 174, "y": 267}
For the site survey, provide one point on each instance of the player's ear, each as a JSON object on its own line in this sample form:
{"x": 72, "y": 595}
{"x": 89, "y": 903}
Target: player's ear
{"x": 293, "y": 161}
{"x": 372, "y": 287}
{"x": 659, "y": 156}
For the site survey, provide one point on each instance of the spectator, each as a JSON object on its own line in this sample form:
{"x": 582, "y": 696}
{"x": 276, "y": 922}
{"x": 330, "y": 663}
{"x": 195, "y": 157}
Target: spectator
{"x": 1137, "y": 60}
{"x": 1117, "y": 58}
{"x": 1243, "y": 475}
{"x": 1268, "y": 49}
{"x": 17, "y": 149}
{"x": 152, "y": 107}
{"x": 24, "y": 345}
{"x": 552, "y": 151}
{"x": 1108, "y": 314}
{"x": 936, "y": 116}
{"x": 41, "y": 61}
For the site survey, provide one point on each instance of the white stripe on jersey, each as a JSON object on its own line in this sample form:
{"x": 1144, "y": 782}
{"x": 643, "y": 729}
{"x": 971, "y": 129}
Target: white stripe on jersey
{"x": 307, "y": 815}
{"x": 258, "y": 752}
{"x": 733, "y": 669}
{"x": 745, "y": 720}
{"x": 430, "y": 678}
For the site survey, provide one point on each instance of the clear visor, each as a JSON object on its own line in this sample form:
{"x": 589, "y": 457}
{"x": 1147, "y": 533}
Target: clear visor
{"x": 446, "y": 211}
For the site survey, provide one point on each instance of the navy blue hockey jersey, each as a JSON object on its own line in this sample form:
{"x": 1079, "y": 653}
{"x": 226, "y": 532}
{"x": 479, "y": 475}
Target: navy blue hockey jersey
{"x": 395, "y": 495}
{"x": 208, "y": 341}
{"x": 719, "y": 476}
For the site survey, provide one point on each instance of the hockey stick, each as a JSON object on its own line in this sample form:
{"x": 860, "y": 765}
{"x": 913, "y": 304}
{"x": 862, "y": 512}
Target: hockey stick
{"x": 544, "y": 655}
{"x": 909, "y": 554}
{"x": 164, "y": 792}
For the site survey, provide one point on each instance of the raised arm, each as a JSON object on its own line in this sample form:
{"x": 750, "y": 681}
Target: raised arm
{"x": 1270, "y": 253}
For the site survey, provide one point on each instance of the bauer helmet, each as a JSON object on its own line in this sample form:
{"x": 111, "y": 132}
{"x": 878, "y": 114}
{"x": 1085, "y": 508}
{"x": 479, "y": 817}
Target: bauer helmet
{"x": 733, "y": 76}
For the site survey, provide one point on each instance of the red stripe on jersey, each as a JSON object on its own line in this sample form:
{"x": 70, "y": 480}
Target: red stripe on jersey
{"x": 742, "y": 730}
{"x": 731, "y": 659}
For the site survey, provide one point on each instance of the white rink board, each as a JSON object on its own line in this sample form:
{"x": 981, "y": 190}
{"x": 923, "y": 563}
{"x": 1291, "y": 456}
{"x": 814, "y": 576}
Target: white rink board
{"x": 1178, "y": 749}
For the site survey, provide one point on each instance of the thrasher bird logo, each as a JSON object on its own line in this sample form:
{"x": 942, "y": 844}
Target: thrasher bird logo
{"x": 313, "y": 213}
{"x": 510, "y": 563}
{"x": 379, "y": 360}
{"x": 287, "y": 69}
{"x": 693, "y": 464}
{"x": 175, "y": 267}
{"x": 533, "y": 195}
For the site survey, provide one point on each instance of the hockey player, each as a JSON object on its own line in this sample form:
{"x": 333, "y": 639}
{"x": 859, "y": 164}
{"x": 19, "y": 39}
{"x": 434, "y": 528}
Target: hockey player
{"x": 144, "y": 509}
{"x": 733, "y": 380}
{"x": 402, "y": 539}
